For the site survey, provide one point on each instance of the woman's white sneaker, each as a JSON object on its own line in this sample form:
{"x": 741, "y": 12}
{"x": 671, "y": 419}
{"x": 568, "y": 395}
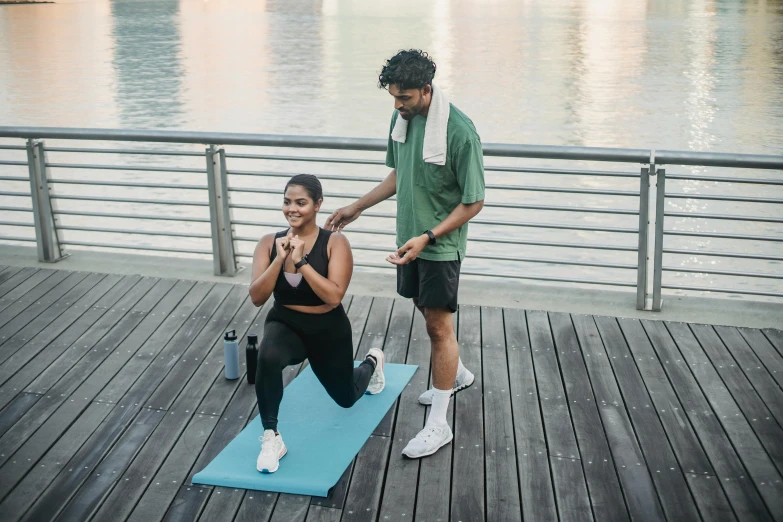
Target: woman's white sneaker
{"x": 428, "y": 441}
{"x": 377, "y": 381}
{"x": 462, "y": 382}
{"x": 272, "y": 450}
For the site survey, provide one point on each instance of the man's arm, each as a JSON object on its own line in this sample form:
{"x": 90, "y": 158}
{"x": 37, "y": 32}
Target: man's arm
{"x": 343, "y": 216}
{"x": 458, "y": 217}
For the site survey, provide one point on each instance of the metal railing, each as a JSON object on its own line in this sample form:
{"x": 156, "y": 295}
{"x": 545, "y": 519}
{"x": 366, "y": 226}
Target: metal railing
{"x": 225, "y": 187}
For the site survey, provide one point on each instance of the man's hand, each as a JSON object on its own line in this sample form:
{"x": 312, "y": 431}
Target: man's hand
{"x": 409, "y": 251}
{"x": 341, "y": 217}
{"x": 297, "y": 249}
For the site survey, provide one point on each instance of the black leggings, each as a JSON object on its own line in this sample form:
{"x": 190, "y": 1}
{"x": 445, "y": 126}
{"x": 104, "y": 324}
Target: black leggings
{"x": 325, "y": 339}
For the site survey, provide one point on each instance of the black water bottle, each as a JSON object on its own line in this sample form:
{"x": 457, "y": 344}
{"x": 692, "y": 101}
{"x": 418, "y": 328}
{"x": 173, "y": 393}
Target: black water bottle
{"x": 251, "y": 353}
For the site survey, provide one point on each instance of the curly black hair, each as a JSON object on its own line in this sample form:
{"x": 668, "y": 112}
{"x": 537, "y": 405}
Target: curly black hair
{"x": 411, "y": 69}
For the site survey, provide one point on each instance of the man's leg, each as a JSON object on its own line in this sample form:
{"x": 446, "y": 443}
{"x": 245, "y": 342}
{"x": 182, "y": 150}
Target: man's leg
{"x": 445, "y": 350}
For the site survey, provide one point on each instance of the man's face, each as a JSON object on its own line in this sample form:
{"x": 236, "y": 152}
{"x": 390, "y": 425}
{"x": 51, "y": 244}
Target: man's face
{"x": 409, "y": 102}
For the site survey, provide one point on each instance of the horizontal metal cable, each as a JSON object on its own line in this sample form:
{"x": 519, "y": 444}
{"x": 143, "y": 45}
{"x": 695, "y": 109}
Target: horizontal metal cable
{"x": 136, "y": 231}
{"x": 721, "y": 272}
{"x": 720, "y": 254}
{"x": 276, "y": 157}
{"x": 12, "y": 238}
{"x": 722, "y": 290}
{"x": 133, "y": 200}
{"x": 130, "y": 216}
{"x": 12, "y": 147}
{"x": 707, "y": 197}
{"x": 721, "y": 236}
{"x": 125, "y": 151}
{"x": 127, "y": 167}
{"x": 754, "y": 181}
{"x": 14, "y": 178}
{"x": 8, "y": 162}
{"x": 136, "y": 247}
{"x": 139, "y": 184}
{"x": 15, "y": 194}
{"x": 16, "y": 209}
{"x": 16, "y": 224}
{"x": 757, "y": 219}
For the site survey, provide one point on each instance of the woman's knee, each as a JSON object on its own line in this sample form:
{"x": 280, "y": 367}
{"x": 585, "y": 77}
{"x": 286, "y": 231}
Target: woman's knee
{"x": 344, "y": 400}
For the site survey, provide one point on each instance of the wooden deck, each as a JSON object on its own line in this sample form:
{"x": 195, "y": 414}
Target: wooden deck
{"x": 112, "y": 397}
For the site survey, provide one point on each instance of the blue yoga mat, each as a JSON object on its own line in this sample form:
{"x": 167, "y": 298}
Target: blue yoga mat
{"x": 322, "y": 438}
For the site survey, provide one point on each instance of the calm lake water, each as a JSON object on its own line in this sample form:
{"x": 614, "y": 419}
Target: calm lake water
{"x": 689, "y": 75}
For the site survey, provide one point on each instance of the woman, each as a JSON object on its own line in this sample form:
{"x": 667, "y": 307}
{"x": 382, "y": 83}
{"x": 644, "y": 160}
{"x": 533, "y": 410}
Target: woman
{"x": 308, "y": 270}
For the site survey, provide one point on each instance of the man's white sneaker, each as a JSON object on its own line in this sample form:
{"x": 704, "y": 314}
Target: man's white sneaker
{"x": 462, "y": 382}
{"x": 272, "y": 450}
{"x": 428, "y": 441}
{"x": 377, "y": 381}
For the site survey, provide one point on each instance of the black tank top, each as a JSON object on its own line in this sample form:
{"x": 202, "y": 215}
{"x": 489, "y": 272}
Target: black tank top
{"x": 318, "y": 258}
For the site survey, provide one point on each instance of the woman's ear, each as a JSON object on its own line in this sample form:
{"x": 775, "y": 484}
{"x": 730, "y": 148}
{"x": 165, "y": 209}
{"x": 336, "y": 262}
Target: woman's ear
{"x": 317, "y": 205}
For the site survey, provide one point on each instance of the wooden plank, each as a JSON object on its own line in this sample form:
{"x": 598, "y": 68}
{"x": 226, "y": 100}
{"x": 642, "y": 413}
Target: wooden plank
{"x": 54, "y": 462}
{"x": 338, "y": 492}
{"x": 710, "y": 498}
{"x": 573, "y": 501}
{"x": 175, "y": 469}
{"x": 257, "y": 506}
{"x": 56, "y": 411}
{"x": 468, "y": 480}
{"x": 536, "y": 491}
{"x": 136, "y": 479}
{"x": 602, "y": 482}
{"x": 54, "y": 320}
{"x": 56, "y": 496}
{"x": 365, "y": 491}
{"x": 187, "y": 505}
{"x": 27, "y": 308}
{"x": 758, "y": 415}
{"x": 291, "y": 508}
{"x": 7, "y": 273}
{"x": 165, "y": 352}
{"x": 65, "y": 326}
{"x": 768, "y": 390}
{"x": 61, "y": 489}
{"x": 21, "y": 283}
{"x": 764, "y": 350}
{"x": 742, "y": 494}
{"x": 756, "y": 460}
{"x": 668, "y": 408}
{"x": 223, "y": 504}
{"x": 660, "y": 459}
{"x": 502, "y": 483}
{"x": 399, "y": 492}
{"x": 323, "y": 514}
{"x": 640, "y": 496}
{"x": 14, "y": 411}
{"x": 775, "y": 336}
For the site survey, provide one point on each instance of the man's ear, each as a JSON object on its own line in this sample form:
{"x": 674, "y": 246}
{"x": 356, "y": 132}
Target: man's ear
{"x": 427, "y": 90}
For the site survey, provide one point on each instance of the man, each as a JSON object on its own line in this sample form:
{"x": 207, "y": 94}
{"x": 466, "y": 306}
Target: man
{"x": 436, "y": 197}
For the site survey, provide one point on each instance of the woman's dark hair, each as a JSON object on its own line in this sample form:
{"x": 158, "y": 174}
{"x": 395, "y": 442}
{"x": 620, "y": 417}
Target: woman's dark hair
{"x": 412, "y": 69}
{"x": 310, "y": 183}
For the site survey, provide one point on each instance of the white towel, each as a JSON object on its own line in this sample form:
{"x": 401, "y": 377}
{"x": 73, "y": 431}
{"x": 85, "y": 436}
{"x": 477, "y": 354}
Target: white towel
{"x": 434, "y": 149}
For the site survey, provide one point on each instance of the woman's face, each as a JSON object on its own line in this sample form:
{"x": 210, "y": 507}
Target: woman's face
{"x": 298, "y": 207}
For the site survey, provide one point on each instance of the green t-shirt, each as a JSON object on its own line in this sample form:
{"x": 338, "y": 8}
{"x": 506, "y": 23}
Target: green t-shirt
{"x": 427, "y": 193}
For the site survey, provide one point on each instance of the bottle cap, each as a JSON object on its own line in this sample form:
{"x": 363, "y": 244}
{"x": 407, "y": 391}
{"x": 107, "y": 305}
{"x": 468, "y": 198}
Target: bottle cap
{"x": 231, "y": 335}
{"x": 252, "y": 339}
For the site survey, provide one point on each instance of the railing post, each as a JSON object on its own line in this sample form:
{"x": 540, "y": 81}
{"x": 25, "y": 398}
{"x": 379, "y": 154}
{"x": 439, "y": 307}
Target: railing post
{"x": 219, "y": 213}
{"x": 660, "y": 201}
{"x": 651, "y": 197}
{"x": 49, "y": 250}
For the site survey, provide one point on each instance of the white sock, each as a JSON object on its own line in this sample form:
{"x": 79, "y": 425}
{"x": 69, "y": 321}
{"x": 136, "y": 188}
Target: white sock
{"x": 460, "y": 369}
{"x": 440, "y": 404}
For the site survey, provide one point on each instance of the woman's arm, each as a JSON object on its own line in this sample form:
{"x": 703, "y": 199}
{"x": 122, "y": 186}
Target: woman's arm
{"x": 331, "y": 290}
{"x": 264, "y": 277}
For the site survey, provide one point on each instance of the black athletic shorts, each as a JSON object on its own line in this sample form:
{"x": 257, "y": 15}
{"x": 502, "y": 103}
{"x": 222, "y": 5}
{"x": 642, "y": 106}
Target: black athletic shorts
{"x": 434, "y": 284}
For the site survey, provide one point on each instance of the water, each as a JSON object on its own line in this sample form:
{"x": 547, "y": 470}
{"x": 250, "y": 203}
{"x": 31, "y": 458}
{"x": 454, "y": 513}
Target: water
{"x": 695, "y": 75}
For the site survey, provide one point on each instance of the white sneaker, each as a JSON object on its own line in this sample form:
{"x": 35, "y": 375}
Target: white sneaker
{"x": 272, "y": 450}
{"x": 377, "y": 381}
{"x": 428, "y": 441}
{"x": 462, "y": 382}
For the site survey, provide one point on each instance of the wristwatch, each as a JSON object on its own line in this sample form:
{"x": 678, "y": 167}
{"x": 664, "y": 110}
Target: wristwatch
{"x": 432, "y": 236}
{"x": 301, "y": 263}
